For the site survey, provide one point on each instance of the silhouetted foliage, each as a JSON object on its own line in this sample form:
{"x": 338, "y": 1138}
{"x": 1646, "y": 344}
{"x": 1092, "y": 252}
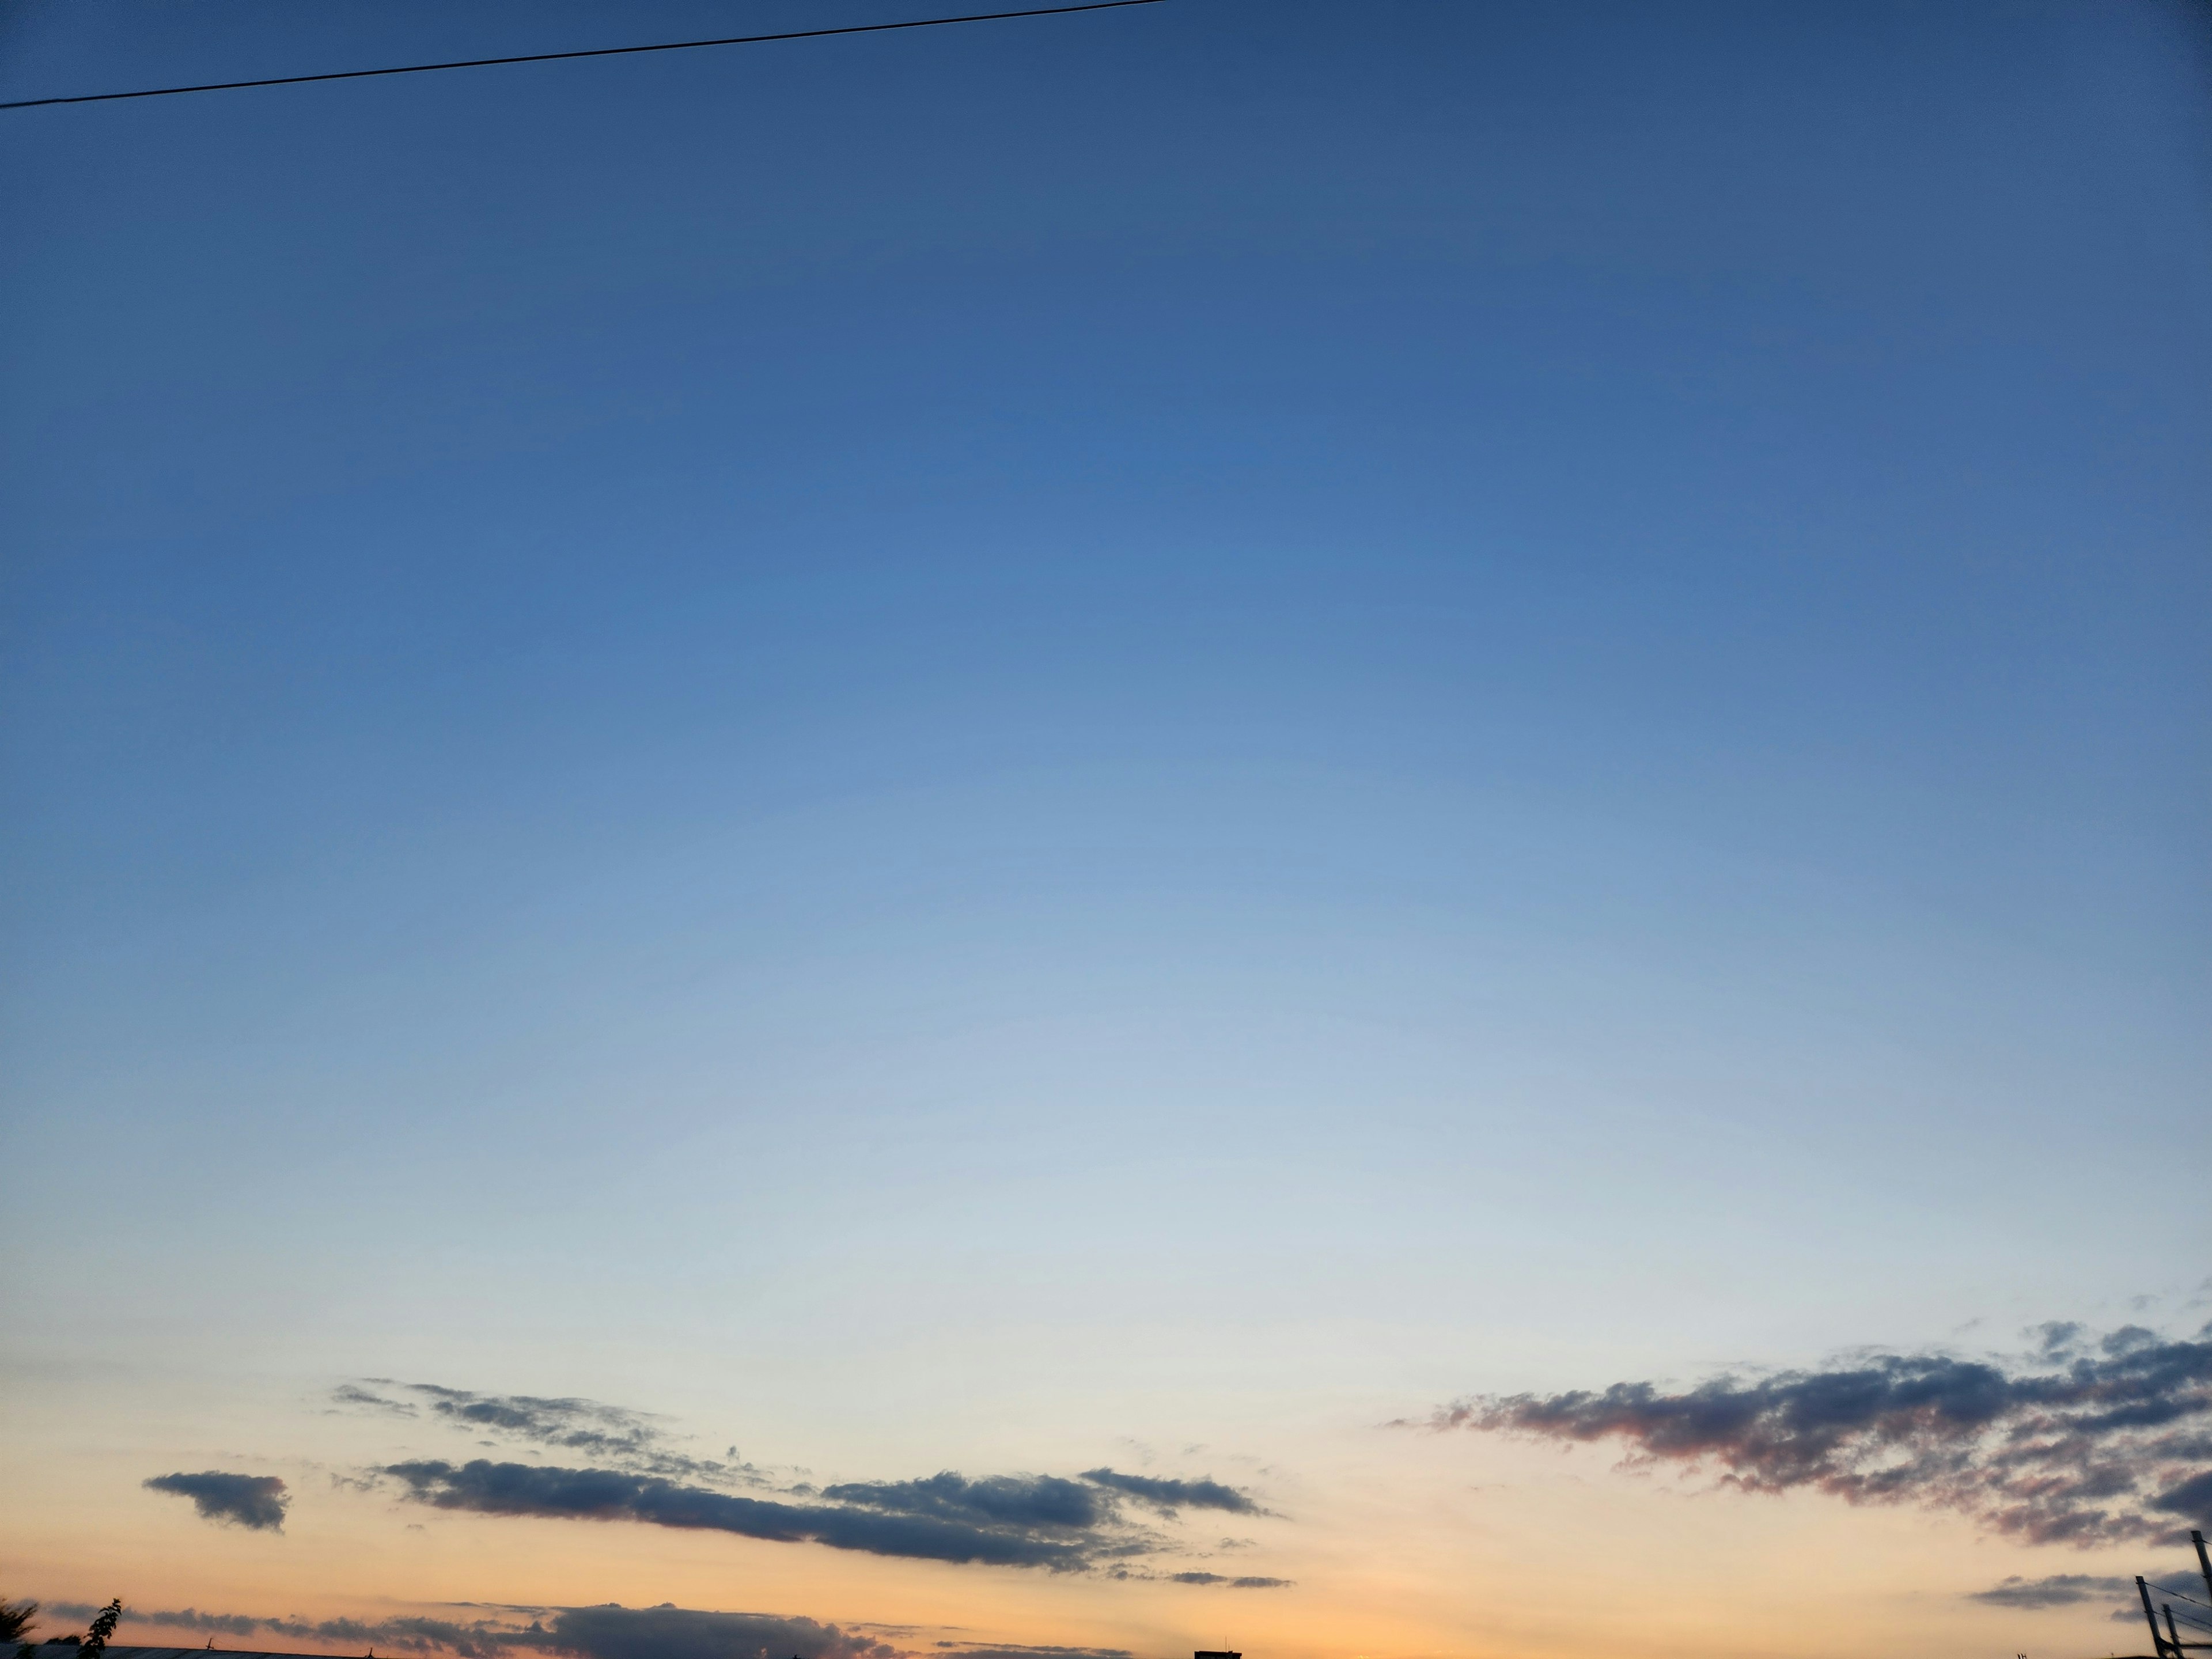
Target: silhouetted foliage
{"x": 16, "y": 1618}
{"x": 103, "y": 1626}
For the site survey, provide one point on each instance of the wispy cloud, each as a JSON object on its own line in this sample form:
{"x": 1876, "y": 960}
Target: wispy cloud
{"x": 2114, "y": 1592}
{"x": 1015, "y": 1540}
{"x": 607, "y": 1435}
{"x": 674, "y": 1633}
{"x": 635, "y": 1473}
{"x": 257, "y": 1501}
{"x": 2059, "y": 1589}
{"x": 2083, "y": 1442}
{"x": 1247, "y": 1581}
{"x": 1169, "y": 1496}
{"x": 1025, "y": 1502}
{"x": 603, "y": 1632}
{"x": 357, "y": 1397}
{"x": 610, "y": 1632}
{"x": 400, "y": 1635}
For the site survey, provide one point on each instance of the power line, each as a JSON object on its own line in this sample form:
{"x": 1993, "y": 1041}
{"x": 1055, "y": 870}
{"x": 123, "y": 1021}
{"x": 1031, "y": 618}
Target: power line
{"x": 593, "y": 52}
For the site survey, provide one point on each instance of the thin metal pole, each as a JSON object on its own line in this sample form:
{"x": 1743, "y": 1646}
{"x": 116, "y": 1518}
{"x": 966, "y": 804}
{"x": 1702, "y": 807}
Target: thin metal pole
{"x": 2157, "y": 1641}
{"x": 2203, "y": 1562}
{"x": 2166, "y": 1607}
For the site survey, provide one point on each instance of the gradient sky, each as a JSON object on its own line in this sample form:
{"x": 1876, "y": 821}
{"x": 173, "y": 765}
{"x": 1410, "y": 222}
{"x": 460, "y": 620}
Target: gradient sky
{"x": 1130, "y": 741}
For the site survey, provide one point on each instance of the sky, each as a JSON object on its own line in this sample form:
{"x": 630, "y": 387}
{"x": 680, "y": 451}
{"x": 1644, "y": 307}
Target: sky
{"x": 1358, "y": 831}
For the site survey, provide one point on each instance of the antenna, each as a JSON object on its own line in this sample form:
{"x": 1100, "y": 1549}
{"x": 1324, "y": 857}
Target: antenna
{"x": 2157, "y": 1641}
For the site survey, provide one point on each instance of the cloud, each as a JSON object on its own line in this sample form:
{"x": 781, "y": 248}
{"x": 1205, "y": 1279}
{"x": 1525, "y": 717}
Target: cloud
{"x": 1031, "y": 1501}
{"x": 2084, "y": 1444}
{"x": 2191, "y": 1499}
{"x": 673, "y": 1632}
{"x": 1246, "y": 1581}
{"x": 353, "y": 1394}
{"x": 2057, "y": 1339}
{"x": 488, "y": 1488}
{"x": 609, "y": 1435}
{"x": 404, "y": 1635}
{"x": 1172, "y": 1495}
{"x": 2116, "y": 1593}
{"x": 603, "y": 1632}
{"x": 607, "y": 1431}
{"x": 257, "y": 1501}
{"x": 2060, "y": 1589}
{"x": 632, "y": 1471}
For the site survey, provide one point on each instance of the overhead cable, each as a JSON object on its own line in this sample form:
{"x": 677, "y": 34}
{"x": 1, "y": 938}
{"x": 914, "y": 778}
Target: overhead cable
{"x": 591, "y": 52}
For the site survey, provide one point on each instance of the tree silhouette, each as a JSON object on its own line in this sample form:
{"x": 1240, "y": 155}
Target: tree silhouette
{"x": 16, "y": 1620}
{"x": 103, "y": 1626}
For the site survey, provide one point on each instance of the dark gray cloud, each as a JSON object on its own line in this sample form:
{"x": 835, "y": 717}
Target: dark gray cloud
{"x": 354, "y": 1395}
{"x": 2190, "y": 1498}
{"x": 490, "y": 1488}
{"x": 409, "y": 1635}
{"x": 630, "y": 1471}
{"x": 673, "y": 1632}
{"x": 2112, "y": 1591}
{"x": 2058, "y": 1338}
{"x": 2060, "y": 1589}
{"x": 1245, "y": 1582}
{"x": 585, "y": 1425}
{"x": 1172, "y": 1495}
{"x": 608, "y": 1435}
{"x": 602, "y": 1633}
{"x": 2085, "y": 1442}
{"x": 1025, "y": 1501}
{"x": 246, "y": 1500}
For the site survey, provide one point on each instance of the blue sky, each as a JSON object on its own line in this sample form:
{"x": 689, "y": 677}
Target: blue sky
{"x": 1424, "y": 697}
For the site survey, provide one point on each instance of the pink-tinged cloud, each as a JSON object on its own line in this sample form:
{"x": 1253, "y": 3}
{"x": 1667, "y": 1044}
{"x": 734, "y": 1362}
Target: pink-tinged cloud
{"x": 2084, "y": 1445}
